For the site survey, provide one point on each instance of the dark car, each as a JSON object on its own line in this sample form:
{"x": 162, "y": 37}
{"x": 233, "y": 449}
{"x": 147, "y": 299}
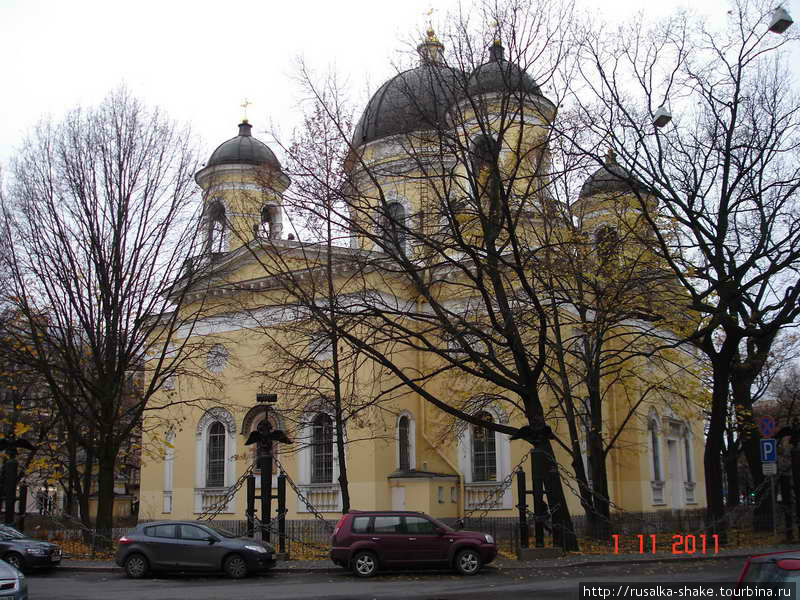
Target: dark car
{"x": 26, "y": 553}
{"x": 368, "y": 541}
{"x": 190, "y": 546}
{"x": 775, "y": 567}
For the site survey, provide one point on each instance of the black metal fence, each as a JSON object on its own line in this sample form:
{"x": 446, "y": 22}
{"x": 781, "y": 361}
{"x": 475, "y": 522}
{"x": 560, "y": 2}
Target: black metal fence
{"x": 310, "y": 538}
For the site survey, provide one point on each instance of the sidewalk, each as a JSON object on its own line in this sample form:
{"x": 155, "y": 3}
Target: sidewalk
{"x": 502, "y": 564}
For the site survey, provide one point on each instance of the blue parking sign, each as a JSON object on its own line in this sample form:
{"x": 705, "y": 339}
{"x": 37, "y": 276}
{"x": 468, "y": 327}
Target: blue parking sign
{"x": 769, "y": 450}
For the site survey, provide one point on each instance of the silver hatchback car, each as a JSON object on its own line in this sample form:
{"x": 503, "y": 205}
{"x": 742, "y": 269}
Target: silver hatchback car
{"x": 13, "y": 585}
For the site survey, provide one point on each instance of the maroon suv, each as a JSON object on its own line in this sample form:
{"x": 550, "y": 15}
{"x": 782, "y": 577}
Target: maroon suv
{"x": 366, "y": 541}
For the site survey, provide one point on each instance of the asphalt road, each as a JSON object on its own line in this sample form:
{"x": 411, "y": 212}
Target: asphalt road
{"x": 543, "y": 584}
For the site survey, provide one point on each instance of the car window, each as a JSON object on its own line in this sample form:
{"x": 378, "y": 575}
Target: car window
{"x": 388, "y": 524}
{"x": 360, "y": 524}
{"x": 769, "y": 572}
{"x": 444, "y": 526}
{"x": 9, "y": 533}
{"x": 191, "y": 532}
{"x": 162, "y": 531}
{"x": 419, "y": 525}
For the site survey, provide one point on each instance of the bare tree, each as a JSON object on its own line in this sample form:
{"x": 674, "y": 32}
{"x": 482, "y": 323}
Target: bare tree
{"x": 610, "y": 345}
{"x": 449, "y": 278}
{"x": 725, "y": 174}
{"x": 99, "y": 220}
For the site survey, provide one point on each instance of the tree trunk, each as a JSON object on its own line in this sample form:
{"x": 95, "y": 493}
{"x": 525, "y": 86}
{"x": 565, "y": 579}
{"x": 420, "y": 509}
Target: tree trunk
{"x": 572, "y": 424}
{"x": 342, "y": 458}
{"x": 85, "y": 486}
{"x": 563, "y": 529}
{"x": 742, "y": 385}
{"x": 731, "y": 458}
{"x": 106, "y": 467}
{"x": 715, "y": 511}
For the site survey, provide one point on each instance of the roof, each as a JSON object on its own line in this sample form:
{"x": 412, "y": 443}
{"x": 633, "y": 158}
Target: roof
{"x": 501, "y": 75}
{"x": 418, "y": 99}
{"x": 611, "y": 178}
{"x": 413, "y": 100}
{"x": 244, "y": 149}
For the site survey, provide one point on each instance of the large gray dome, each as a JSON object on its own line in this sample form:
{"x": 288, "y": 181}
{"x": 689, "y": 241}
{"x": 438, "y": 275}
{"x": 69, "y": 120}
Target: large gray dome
{"x": 500, "y": 75}
{"x": 244, "y": 149}
{"x": 414, "y": 100}
{"x": 611, "y": 178}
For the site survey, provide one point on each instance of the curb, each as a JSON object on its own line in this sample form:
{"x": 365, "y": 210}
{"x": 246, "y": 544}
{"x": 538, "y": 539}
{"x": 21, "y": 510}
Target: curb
{"x": 505, "y": 567}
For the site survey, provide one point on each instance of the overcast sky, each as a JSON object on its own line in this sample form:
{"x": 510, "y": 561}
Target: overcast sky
{"x": 198, "y": 60}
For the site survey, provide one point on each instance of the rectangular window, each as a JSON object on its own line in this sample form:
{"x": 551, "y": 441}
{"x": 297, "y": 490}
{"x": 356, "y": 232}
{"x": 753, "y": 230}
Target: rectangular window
{"x": 361, "y": 524}
{"x": 687, "y": 449}
{"x": 162, "y": 531}
{"x": 453, "y": 494}
{"x": 388, "y": 524}
{"x": 440, "y": 495}
{"x": 656, "y": 455}
{"x": 484, "y": 467}
{"x": 419, "y": 525}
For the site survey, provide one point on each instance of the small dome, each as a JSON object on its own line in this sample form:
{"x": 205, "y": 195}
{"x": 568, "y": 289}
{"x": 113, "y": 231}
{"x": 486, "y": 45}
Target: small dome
{"x": 500, "y": 75}
{"x": 611, "y": 178}
{"x": 414, "y": 100}
{"x": 243, "y": 149}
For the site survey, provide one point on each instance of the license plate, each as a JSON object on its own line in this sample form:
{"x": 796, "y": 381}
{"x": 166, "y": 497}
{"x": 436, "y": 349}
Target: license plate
{"x": 55, "y": 557}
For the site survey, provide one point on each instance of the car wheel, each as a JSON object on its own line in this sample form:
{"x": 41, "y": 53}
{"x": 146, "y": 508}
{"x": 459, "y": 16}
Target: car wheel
{"x": 15, "y": 560}
{"x": 235, "y": 567}
{"x": 136, "y": 566}
{"x": 468, "y": 562}
{"x": 364, "y": 564}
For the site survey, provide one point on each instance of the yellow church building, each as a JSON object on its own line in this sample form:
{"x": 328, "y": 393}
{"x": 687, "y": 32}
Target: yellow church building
{"x": 402, "y": 453}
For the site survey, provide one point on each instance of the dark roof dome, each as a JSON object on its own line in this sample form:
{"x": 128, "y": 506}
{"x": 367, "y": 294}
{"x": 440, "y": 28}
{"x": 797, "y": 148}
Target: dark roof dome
{"x": 611, "y": 178}
{"x": 243, "y": 149}
{"x": 500, "y": 75}
{"x": 414, "y": 100}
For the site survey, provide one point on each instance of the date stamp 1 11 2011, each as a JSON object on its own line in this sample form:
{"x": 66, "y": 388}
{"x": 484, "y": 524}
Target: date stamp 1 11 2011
{"x": 681, "y": 544}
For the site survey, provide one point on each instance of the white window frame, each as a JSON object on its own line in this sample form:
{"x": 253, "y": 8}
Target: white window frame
{"x": 412, "y": 440}
{"x": 502, "y": 455}
{"x": 304, "y": 456}
{"x": 655, "y": 454}
{"x": 169, "y": 463}
{"x": 209, "y": 417}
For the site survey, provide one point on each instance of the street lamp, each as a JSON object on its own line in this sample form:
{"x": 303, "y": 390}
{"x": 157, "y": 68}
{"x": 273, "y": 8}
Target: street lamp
{"x": 780, "y": 20}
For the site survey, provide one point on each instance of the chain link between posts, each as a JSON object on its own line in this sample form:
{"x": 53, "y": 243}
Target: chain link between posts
{"x": 490, "y": 499}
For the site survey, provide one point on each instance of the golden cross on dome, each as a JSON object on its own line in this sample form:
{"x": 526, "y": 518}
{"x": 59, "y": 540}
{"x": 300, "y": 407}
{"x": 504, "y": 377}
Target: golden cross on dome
{"x": 429, "y": 13}
{"x": 244, "y": 105}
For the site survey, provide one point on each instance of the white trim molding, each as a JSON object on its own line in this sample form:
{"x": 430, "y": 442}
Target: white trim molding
{"x": 412, "y": 440}
{"x": 204, "y": 496}
{"x": 475, "y": 493}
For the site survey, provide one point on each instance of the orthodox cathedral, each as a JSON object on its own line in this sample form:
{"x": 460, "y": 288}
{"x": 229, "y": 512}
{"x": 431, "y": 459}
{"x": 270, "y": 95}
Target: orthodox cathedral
{"x": 404, "y": 454}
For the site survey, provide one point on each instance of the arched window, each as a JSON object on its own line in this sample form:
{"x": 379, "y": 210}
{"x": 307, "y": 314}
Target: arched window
{"x": 270, "y": 227}
{"x": 404, "y": 446}
{"x": 215, "y": 216}
{"x": 607, "y": 244}
{"x": 322, "y": 449}
{"x": 655, "y": 452}
{"x": 484, "y": 453}
{"x": 485, "y": 155}
{"x": 394, "y": 225}
{"x": 215, "y": 455}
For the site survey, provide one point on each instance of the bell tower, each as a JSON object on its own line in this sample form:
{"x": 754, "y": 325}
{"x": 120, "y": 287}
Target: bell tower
{"x": 243, "y": 185}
